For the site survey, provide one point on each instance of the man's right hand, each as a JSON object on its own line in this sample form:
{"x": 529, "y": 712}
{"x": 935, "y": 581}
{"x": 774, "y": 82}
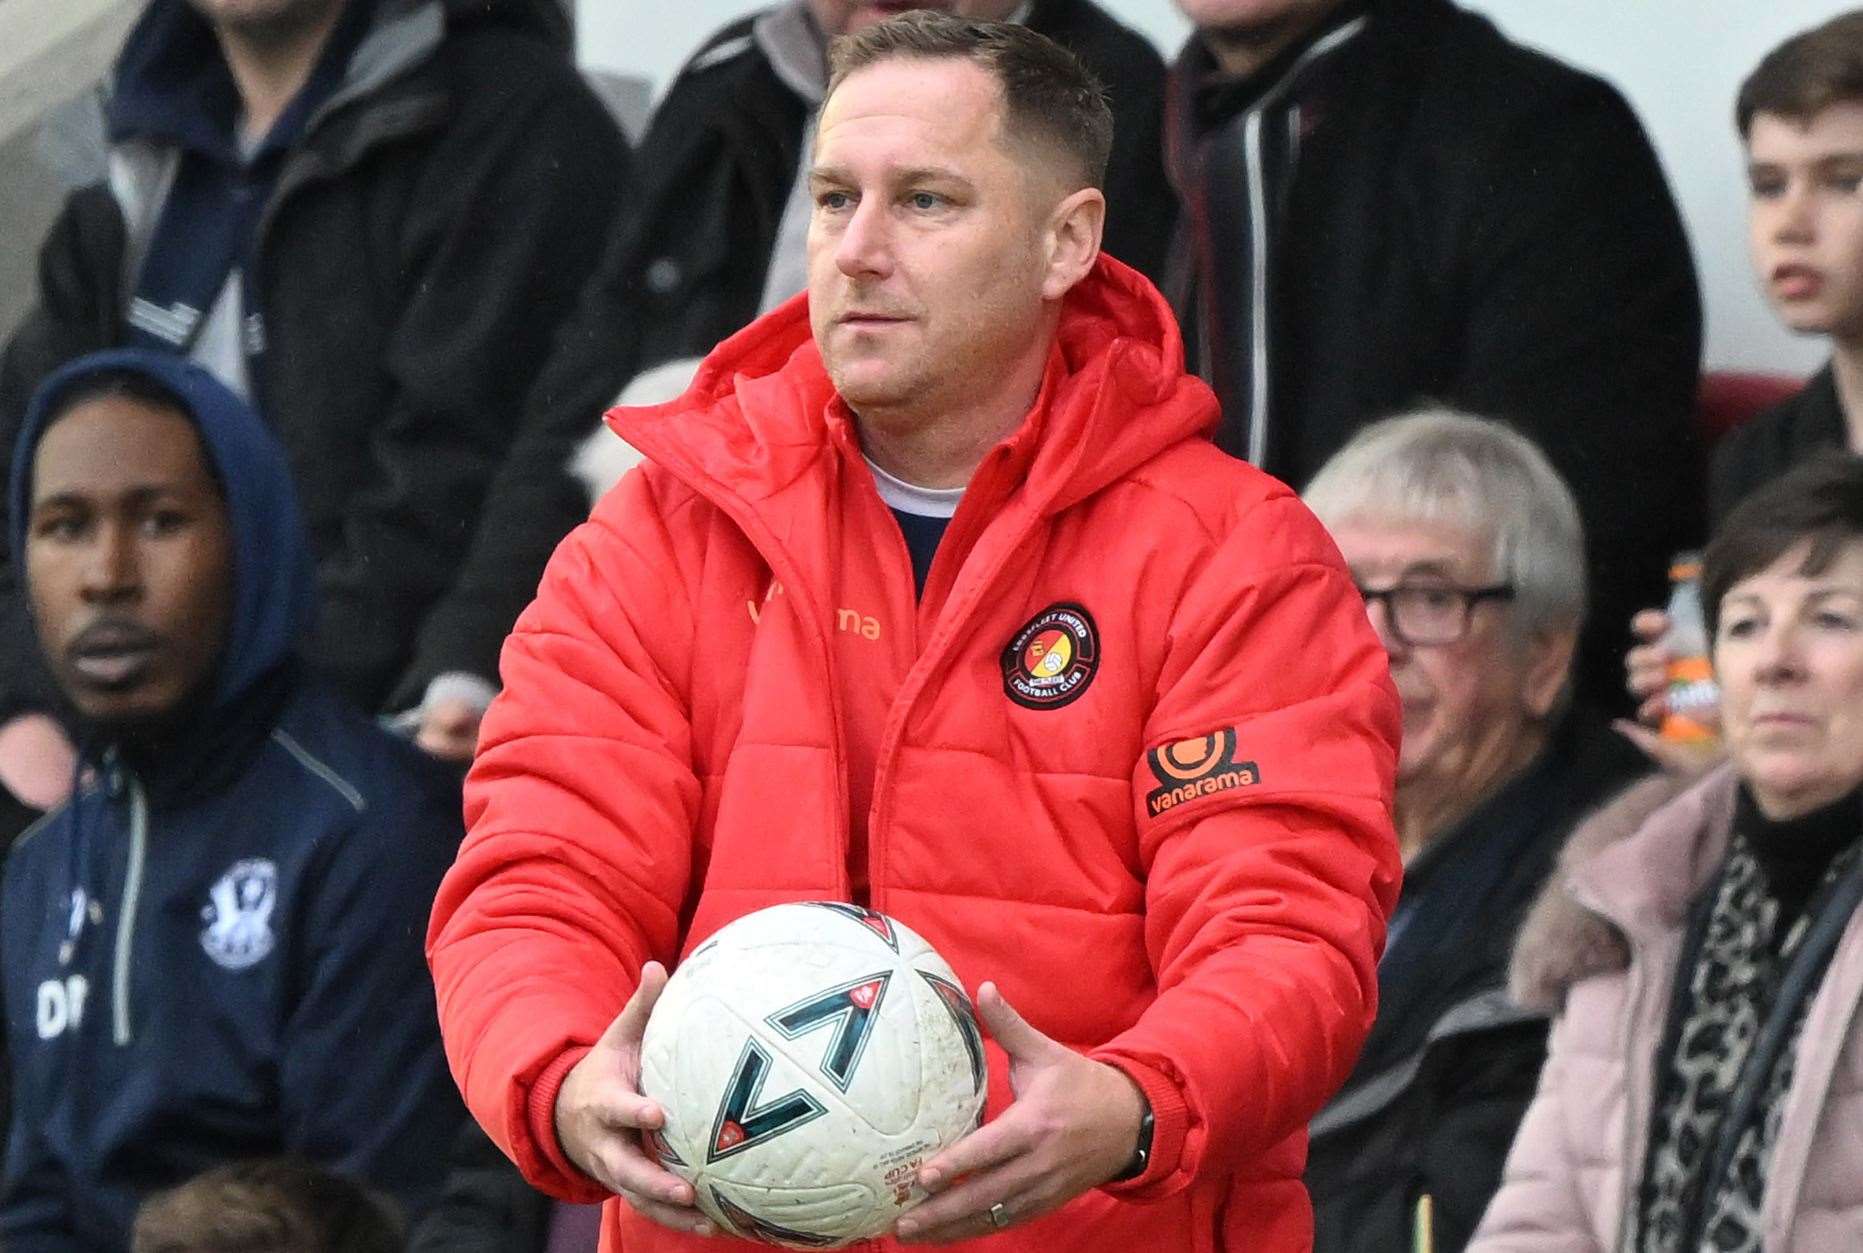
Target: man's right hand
{"x": 600, "y": 1114}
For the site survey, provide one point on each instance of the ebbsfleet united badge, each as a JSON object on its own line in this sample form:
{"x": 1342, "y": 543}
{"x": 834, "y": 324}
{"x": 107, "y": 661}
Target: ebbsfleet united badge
{"x": 1052, "y": 658}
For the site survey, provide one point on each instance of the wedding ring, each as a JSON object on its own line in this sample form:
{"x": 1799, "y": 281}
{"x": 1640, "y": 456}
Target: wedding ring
{"x": 999, "y": 1215}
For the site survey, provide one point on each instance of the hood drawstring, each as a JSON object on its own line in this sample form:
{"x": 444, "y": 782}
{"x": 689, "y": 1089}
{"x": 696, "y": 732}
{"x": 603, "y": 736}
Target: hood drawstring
{"x": 84, "y": 909}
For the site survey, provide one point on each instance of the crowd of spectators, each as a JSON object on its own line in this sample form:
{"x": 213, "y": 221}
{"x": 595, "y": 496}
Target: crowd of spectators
{"x": 288, "y": 440}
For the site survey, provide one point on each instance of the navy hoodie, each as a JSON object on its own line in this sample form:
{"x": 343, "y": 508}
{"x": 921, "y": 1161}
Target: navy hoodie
{"x": 214, "y": 951}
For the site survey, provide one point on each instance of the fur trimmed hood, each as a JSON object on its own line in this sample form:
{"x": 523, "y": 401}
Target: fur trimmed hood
{"x": 1565, "y": 940}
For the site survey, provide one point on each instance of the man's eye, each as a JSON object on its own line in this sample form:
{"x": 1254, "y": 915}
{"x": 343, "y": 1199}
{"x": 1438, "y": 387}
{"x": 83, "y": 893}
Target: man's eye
{"x": 1845, "y": 183}
{"x": 164, "y": 522}
{"x": 1765, "y": 188}
{"x": 58, "y": 528}
{"x": 924, "y": 200}
{"x": 833, "y": 201}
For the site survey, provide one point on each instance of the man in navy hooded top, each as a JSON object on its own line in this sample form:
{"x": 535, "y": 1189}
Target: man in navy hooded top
{"x": 214, "y": 950}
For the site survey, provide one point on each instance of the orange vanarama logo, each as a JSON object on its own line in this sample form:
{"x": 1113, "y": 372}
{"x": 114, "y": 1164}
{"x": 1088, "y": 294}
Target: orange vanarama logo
{"x": 1052, "y": 658}
{"x": 1201, "y": 766}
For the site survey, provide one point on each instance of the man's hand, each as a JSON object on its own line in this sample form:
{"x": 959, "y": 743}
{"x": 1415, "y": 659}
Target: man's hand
{"x": 1073, "y": 1126}
{"x": 600, "y": 1114}
{"x": 36, "y": 761}
{"x": 449, "y": 729}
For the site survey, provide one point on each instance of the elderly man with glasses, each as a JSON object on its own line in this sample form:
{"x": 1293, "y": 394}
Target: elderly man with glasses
{"x": 1468, "y": 550}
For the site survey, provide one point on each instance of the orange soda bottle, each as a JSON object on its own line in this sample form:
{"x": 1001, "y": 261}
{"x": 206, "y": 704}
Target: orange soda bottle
{"x": 1693, "y": 697}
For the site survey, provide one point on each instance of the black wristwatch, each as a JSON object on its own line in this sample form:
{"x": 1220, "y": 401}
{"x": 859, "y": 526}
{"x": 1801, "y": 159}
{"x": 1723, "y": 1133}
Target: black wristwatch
{"x": 1141, "y": 1155}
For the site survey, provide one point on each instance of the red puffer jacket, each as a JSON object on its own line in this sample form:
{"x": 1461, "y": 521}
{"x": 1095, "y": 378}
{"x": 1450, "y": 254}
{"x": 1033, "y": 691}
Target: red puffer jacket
{"x": 1130, "y": 756}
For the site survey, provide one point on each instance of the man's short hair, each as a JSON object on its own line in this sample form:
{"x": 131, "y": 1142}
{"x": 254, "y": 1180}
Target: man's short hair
{"x": 1441, "y": 467}
{"x": 1048, "y": 95}
{"x": 1806, "y": 74}
{"x": 273, "y": 1205}
{"x": 1817, "y": 503}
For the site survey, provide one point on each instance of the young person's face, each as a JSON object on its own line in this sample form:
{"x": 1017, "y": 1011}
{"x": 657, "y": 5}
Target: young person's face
{"x": 1806, "y": 185}
{"x": 128, "y": 559}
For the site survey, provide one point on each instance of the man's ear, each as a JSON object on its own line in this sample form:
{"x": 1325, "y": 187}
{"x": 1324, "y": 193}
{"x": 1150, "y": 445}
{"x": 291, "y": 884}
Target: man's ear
{"x": 1073, "y": 240}
{"x": 1549, "y": 666}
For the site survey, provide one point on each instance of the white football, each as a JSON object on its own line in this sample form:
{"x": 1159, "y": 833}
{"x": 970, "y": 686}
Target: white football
{"x": 809, "y": 1058}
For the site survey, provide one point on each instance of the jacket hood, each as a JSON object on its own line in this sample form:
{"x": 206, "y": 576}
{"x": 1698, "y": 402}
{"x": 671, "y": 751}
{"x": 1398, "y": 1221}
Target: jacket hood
{"x": 1627, "y": 871}
{"x": 274, "y": 590}
{"x": 761, "y": 410}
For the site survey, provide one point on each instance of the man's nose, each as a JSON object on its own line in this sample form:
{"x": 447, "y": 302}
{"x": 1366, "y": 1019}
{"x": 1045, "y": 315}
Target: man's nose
{"x": 113, "y": 566}
{"x": 865, "y": 249}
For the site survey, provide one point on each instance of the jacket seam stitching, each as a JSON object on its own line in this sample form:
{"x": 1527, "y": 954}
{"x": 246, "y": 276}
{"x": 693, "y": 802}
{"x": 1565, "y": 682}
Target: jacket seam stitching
{"x": 317, "y": 766}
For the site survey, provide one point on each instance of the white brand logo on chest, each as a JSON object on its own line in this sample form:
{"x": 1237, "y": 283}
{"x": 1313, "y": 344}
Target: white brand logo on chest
{"x": 239, "y": 914}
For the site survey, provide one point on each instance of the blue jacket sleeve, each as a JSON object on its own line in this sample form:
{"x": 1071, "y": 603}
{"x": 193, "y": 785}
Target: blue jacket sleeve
{"x": 363, "y": 1083}
{"x": 34, "y": 1211}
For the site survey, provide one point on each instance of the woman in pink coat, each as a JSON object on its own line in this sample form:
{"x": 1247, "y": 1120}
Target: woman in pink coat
{"x": 1704, "y": 947}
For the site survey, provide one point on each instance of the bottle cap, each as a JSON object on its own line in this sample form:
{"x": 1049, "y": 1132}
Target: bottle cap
{"x": 1683, "y": 571}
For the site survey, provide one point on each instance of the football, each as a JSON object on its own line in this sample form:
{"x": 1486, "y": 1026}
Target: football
{"x": 809, "y": 1058}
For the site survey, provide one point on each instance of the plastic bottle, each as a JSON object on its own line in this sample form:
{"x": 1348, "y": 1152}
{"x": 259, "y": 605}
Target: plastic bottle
{"x": 1693, "y": 697}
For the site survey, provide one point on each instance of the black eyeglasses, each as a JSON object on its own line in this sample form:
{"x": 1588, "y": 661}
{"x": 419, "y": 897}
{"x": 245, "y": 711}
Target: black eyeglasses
{"x": 1422, "y": 615}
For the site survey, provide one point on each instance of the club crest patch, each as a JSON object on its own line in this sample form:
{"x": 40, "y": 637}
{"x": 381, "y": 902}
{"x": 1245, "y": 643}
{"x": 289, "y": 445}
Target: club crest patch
{"x": 1052, "y": 660}
{"x": 238, "y": 914}
{"x": 1200, "y": 766}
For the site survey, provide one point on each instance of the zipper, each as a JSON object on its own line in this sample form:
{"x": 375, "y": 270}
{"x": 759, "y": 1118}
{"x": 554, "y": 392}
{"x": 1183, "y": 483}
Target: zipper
{"x": 1258, "y": 284}
{"x": 1633, "y": 1150}
{"x": 1258, "y": 228}
{"x": 947, "y": 627}
{"x": 126, "y": 915}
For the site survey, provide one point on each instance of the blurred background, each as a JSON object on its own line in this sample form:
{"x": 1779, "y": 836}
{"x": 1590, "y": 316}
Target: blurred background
{"x": 1679, "y": 62}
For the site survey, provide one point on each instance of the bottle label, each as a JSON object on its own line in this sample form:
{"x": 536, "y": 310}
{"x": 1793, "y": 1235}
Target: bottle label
{"x": 1692, "y": 698}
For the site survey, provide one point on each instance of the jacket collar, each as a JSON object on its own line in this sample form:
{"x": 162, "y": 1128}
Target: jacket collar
{"x": 1643, "y": 884}
{"x": 1625, "y": 876}
{"x": 761, "y": 413}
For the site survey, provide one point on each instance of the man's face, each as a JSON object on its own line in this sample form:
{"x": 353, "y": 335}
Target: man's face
{"x": 128, "y": 559}
{"x": 845, "y": 17}
{"x": 1806, "y": 217}
{"x": 926, "y": 270}
{"x": 268, "y": 19}
{"x": 1469, "y": 704}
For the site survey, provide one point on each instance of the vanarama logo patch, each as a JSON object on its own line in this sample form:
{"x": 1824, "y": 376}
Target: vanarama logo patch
{"x": 1191, "y": 768}
{"x": 1052, "y": 658}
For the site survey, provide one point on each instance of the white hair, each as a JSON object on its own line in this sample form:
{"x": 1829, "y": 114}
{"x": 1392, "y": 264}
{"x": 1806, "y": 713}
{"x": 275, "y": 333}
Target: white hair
{"x": 1447, "y": 468}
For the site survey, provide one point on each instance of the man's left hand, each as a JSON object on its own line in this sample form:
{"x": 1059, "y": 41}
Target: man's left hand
{"x": 449, "y": 729}
{"x": 1074, "y": 1124}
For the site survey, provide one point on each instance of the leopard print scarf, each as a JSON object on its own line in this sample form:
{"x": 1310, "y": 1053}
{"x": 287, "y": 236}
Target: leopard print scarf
{"x": 1729, "y": 996}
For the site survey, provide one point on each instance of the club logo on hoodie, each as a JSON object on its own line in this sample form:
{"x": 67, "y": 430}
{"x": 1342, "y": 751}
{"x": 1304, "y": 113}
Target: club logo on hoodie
{"x": 239, "y": 914}
{"x": 1053, "y": 658}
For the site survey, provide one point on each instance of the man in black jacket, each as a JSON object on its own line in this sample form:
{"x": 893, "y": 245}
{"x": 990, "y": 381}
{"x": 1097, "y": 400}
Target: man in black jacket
{"x": 1387, "y": 201}
{"x": 368, "y": 217}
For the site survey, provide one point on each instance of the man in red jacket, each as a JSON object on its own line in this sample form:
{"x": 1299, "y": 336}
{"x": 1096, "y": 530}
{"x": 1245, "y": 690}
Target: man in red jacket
{"x": 934, "y": 596}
